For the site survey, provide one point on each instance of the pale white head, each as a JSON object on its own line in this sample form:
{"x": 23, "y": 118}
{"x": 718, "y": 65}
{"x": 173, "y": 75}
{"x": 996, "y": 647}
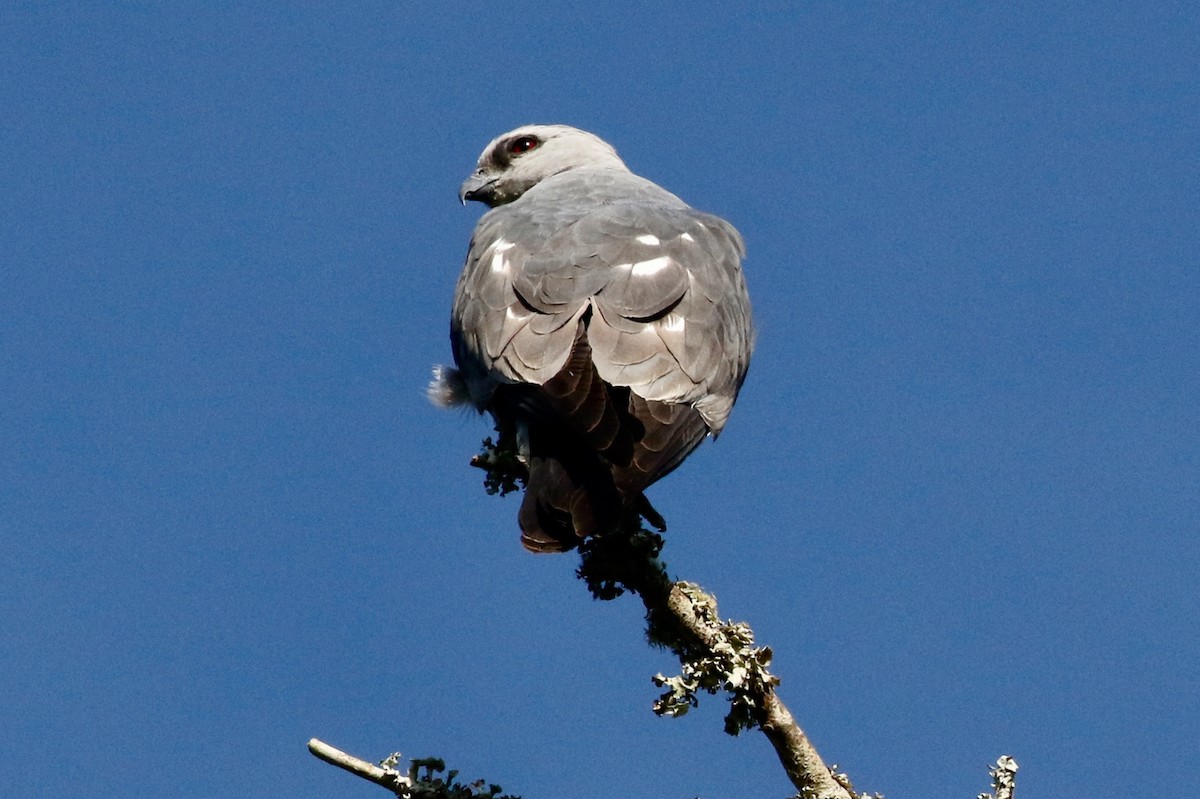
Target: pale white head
{"x": 514, "y": 163}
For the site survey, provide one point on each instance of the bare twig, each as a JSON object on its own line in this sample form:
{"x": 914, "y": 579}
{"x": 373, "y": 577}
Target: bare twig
{"x": 799, "y": 757}
{"x": 423, "y": 781}
{"x": 388, "y": 778}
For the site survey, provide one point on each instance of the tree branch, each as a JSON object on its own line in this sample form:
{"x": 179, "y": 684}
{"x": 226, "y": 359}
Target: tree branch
{"x": 388, "y": 778}
{"x": 714, "y": 655}
{"x": 421, "y": 782}
{"x": 753, "y": 691}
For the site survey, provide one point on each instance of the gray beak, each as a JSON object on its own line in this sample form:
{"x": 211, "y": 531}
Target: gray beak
{"x": 475, "y": 188}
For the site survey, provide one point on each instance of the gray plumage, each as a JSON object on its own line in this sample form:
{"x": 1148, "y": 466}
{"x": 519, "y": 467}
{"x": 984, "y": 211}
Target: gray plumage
{"x": 600, "y": 318}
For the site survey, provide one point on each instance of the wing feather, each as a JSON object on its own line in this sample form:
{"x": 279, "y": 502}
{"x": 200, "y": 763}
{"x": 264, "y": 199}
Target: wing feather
{"x": 658, "y": 284}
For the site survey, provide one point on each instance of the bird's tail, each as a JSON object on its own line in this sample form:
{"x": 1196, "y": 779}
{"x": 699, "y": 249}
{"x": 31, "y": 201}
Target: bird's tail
{"x": 570, "y": 495}
{"x": 592, "y": 449}
{"x": 557, "y": 514}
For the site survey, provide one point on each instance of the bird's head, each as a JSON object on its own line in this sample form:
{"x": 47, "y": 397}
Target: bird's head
{"x": 514, "y": 163}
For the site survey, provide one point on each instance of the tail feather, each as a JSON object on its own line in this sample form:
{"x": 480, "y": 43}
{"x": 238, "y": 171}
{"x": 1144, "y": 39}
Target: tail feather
{"x": 568, "y": 497}
{"x": 592, "y": 448}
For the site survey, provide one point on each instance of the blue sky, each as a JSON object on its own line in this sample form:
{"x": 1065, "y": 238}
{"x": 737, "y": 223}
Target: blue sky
{"x": 958, "y": 496}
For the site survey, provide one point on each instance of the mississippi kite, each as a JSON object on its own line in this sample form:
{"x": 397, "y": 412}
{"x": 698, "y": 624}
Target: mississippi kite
{"x": 600, "y": 319}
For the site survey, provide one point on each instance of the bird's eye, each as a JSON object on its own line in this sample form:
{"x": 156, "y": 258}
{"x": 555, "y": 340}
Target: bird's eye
{"x": 522, "y": 144}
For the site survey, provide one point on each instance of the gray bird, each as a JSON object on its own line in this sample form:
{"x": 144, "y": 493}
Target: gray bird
{"x": 601, "y": 320}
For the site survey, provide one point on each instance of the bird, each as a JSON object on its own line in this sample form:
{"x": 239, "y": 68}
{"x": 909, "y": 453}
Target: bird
{"x": 599, "y": 318}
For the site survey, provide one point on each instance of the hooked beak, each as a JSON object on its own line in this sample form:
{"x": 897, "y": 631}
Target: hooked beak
{"x": 475, "y": 187}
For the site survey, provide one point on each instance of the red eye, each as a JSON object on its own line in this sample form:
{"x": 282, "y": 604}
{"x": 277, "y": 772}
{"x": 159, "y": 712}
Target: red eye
{"x": 522, "y": 144}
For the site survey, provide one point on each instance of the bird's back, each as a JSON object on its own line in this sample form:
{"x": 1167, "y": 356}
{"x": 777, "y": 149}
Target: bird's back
{"x": 605, "y": 324}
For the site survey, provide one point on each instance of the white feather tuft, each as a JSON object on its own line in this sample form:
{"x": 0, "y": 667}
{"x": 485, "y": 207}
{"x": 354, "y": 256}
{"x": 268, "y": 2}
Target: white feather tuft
{"x": 447, "y": 389}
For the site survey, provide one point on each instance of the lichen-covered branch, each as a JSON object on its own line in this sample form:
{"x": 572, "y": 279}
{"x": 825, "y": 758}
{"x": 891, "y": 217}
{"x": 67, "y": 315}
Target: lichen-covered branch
{"x": 714, "y": 656}
{"x": 727, "y": 659}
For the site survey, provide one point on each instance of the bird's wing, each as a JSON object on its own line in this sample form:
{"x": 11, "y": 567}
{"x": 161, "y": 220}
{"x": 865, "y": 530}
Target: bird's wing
{"x": 498, "y": 334}
{"x": 658, "y": 284}
{"x": 673, "y": 320}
